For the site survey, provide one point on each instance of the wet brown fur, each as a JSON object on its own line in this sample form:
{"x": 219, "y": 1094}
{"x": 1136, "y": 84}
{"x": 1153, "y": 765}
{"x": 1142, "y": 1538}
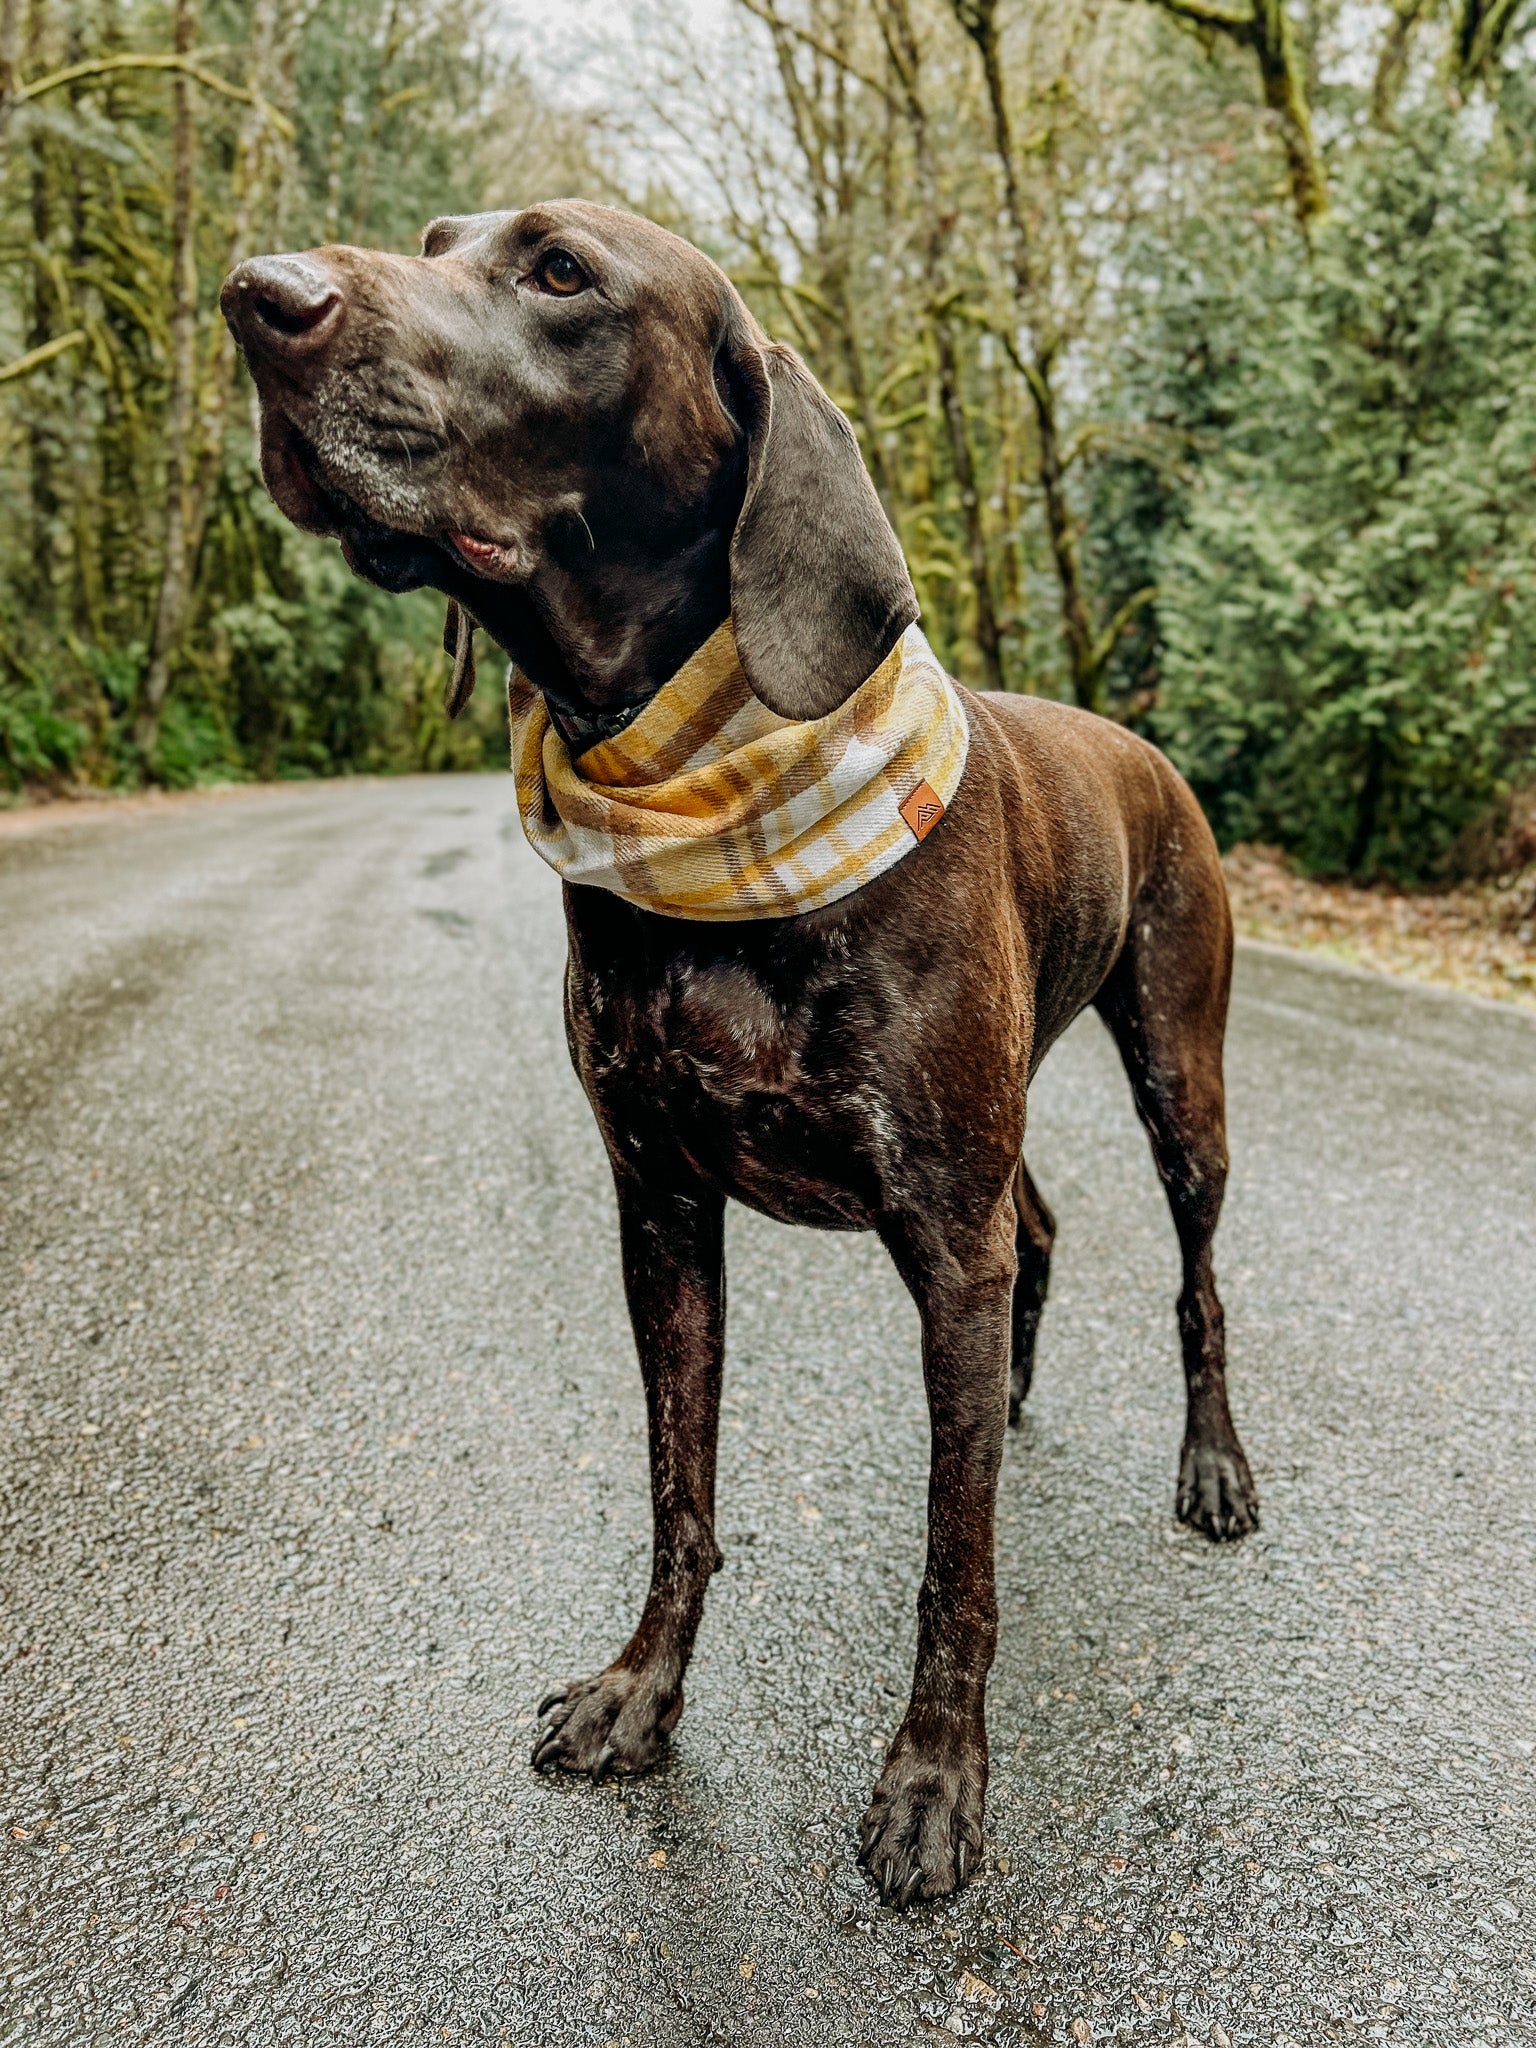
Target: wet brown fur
{"x": 862, "y": 1067}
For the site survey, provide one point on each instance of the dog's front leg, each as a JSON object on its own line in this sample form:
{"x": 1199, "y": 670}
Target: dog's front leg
{"x": 674, "y": 1276}
{"x": 921, "y": 1837}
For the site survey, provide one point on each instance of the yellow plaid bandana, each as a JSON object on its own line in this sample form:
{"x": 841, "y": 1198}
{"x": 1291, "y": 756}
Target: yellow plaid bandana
{"x": 709, "y": 805}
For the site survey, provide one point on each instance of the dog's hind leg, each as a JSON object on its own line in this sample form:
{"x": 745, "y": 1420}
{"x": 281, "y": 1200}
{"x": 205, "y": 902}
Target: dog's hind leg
{"x": 1165, "y": 1001}
{"x": 672, "y": 1238}
{"x": 1033, "y": 1240}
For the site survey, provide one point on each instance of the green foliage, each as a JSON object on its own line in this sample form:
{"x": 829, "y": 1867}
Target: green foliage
{"x": 1282, "y": 479}
{"x": 304, "y": 669}
{"x": 380, "y": 114}
{"x": 1348, "y": 599}
{"x": 37, "y": 742}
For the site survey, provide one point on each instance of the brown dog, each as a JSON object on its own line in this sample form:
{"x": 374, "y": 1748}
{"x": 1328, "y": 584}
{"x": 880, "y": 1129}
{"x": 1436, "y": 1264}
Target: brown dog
{"x": 567, "y": 421}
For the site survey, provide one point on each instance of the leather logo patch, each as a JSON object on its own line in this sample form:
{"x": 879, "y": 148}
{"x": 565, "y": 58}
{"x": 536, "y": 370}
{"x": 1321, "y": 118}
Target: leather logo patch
{"x": 923, "y": 810}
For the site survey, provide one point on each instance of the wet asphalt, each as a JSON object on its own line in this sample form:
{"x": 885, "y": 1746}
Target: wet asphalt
{"x": 322, "y": 1455}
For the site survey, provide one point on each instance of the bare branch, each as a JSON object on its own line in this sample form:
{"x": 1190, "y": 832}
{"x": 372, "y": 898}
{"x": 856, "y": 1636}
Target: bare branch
{"x": 833, "y": 55}
{"x": 36, "y": 357}
{"x": 1203, "y": 14}
{"x": 1104, "y": 646}
{"x": 98, "y": 67}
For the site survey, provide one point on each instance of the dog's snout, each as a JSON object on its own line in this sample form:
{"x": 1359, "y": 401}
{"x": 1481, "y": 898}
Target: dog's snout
{"x": 287, "y": 307}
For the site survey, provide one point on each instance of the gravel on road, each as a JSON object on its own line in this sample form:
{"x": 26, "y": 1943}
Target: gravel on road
{"x": 322, "y": 1455}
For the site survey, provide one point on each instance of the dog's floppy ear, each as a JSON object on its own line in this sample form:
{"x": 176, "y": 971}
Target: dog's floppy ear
{"x": 459, "y": 641}
{"x": 819, "y": 589}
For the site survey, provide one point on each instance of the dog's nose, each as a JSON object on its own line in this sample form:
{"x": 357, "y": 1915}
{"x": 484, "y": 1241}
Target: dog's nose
{"x": 284, "y": 307}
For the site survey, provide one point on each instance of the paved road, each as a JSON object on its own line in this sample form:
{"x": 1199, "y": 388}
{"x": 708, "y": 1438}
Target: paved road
{"x": 321, "y": 1453}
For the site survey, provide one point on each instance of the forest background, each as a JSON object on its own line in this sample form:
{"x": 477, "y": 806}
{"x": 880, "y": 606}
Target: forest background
{"x": 1191, "y": 345}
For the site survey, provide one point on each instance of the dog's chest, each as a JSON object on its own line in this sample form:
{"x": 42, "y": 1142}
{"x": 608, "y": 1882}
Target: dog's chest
{"x": 765, "y": 1097}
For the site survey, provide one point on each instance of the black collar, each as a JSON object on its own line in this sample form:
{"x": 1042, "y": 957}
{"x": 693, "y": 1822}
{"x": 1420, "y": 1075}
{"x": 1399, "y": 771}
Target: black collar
{"x": 583, "y": 729}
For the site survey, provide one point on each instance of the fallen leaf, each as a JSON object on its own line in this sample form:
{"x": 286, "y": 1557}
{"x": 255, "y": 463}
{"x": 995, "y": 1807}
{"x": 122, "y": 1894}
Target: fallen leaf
{"x": 657, "y": 1859}
{"x": 748, "y": 1968}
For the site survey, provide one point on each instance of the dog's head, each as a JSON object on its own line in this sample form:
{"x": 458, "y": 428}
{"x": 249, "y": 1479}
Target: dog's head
{"x": 567, "y": 421}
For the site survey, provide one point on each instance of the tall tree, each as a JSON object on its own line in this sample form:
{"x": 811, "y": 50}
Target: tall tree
{"x": 937, "y": 225}
{"x": 170, "y": 607}
{"x": 1087, "y": 652}
{"x": 10, "y": 58}
{"x": 1264, "y": 27}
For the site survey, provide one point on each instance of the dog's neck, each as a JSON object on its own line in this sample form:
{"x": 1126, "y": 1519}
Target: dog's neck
{"x": 611, "y": 610}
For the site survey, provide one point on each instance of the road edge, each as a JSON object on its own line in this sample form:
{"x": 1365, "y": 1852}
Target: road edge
{"x": 1321, "y": 962}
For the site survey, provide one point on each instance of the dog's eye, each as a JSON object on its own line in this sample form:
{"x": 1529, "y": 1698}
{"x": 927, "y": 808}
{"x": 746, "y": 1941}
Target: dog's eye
{"x": 560, "y": 274}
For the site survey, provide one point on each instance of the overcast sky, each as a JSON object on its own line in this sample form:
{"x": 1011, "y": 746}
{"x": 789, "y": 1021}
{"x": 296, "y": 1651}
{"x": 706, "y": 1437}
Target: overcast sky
{"x": 572, "y": 46}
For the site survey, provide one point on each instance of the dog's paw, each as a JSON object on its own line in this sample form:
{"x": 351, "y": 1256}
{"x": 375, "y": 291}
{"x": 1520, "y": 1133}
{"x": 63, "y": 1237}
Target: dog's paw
{"x": 617, "y": 1722}
{"x": 1217, "y": 1495}
{"x": 921, "y": 1838}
